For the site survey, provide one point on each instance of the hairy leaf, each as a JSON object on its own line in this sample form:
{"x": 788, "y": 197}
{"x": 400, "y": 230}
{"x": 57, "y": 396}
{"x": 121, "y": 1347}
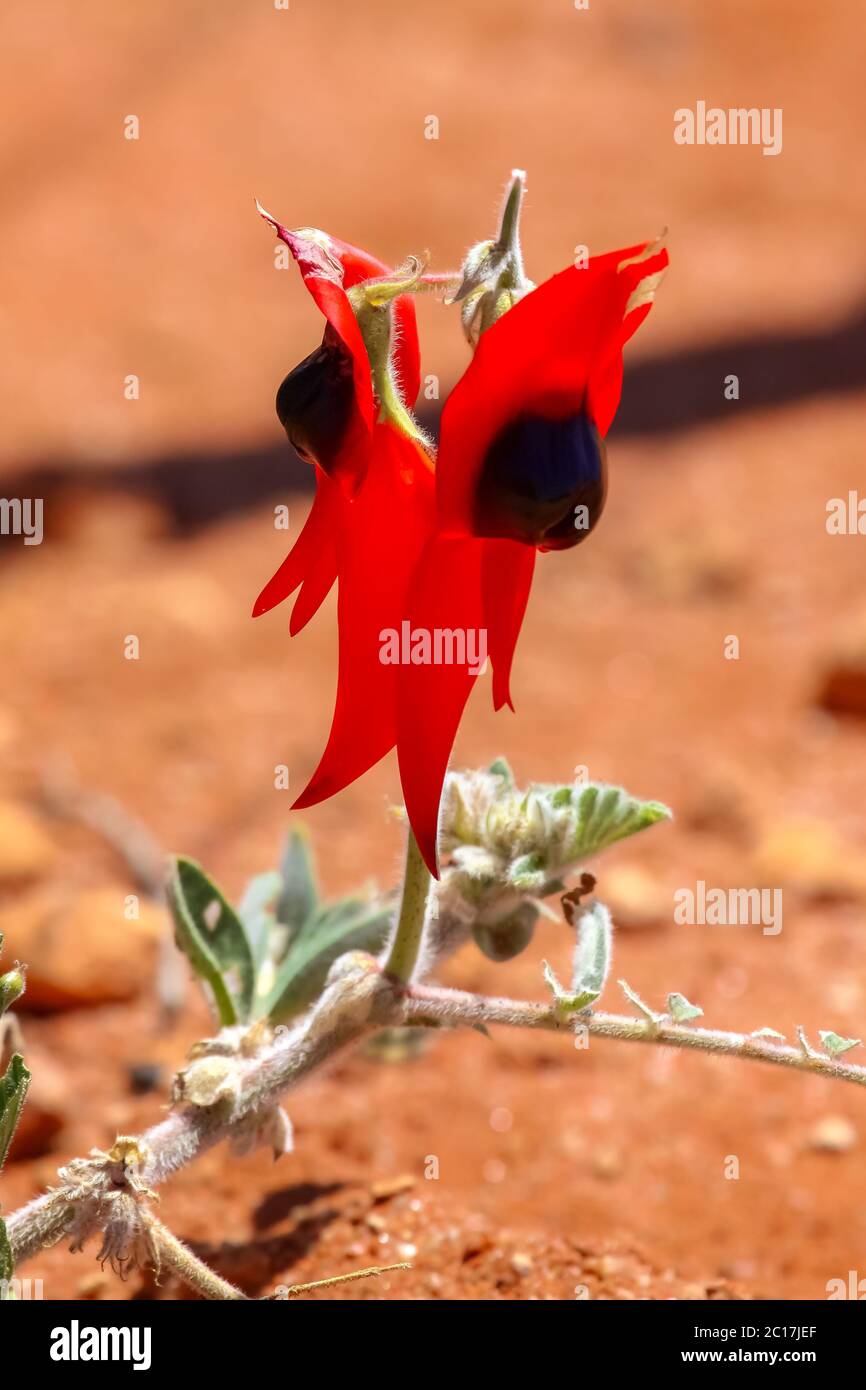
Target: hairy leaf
{"x": 7, "y": 1267}
{"x": 680, "y": 1010}
{"x": 593, "y": 951}
{"x": 257, "y": 910}
{"x": 299, "y": 898}
{"x": 565, "y": 1000}
{"x": 350, "y": 925}
{"x": 607, "y": 814}
{"x": 212, "y": 937}
{"x": 500, "y": 767}
{"x": 13, "y": 1090}
{"x": 835, "y": 1044}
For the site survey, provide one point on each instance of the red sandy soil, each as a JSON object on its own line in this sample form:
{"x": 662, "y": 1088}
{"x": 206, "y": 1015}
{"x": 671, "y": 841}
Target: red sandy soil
{"x": 618, "y": 1148}
{"x": 603, "y": 1169}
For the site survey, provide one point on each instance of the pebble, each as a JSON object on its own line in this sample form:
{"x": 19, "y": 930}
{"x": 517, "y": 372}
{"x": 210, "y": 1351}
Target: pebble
{"x": 833, "y": 1134}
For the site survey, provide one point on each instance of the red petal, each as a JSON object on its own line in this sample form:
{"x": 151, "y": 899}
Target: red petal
{"x": 330, "y": 267}
{"x": 312, "y": 561}
{"x": 387, "y": 526}
{"x": 431, "y": 698}
{"x": 506, "y": 578}
{"x": 556, "y": 352}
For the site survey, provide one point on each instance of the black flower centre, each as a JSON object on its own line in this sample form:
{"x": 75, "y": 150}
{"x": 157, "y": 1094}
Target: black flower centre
{"x": 543, "y": 482}
{"x": 314, "y": 404}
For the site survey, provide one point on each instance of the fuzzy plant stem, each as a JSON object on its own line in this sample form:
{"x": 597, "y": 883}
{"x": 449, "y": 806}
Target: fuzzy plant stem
{"x": 429, "y": 1002}
{"x": 360, "y": 998}
{"x": 357, "y": 1001}
{"x": 406, "y": 945}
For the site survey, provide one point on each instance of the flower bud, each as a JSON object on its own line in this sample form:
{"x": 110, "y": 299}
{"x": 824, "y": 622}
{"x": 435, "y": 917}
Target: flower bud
{"x": 505, "y": 939}
{"x": 11, "y": 988}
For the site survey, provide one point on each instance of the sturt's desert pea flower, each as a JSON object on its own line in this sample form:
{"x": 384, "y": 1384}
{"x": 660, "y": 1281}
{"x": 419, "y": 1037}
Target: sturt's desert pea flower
{"x": 345, "y": 409}
{"x": 521, "y": 469}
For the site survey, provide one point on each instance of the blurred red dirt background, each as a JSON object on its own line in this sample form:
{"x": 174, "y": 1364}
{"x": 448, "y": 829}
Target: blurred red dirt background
{"x": 602, "y": 1169}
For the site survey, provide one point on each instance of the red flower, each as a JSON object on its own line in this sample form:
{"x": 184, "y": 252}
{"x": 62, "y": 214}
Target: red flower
{"x": 327, "y": 408}
{"x": 521, "y": 463}
{"x": 374, "y": 504}
{"x": 522, "y": 468}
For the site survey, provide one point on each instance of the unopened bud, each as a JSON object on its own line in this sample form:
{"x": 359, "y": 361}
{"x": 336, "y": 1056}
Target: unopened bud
{"x": 12, "y": 986}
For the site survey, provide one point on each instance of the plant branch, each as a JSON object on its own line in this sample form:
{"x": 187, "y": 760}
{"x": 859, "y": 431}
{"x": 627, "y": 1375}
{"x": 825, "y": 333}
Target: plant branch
{"x": 360, "y": 997}
{"x": 428, "y": 1002}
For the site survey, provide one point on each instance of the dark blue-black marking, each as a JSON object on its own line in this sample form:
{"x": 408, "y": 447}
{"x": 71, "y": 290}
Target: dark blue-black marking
{"x": 314, "y": 404}
{"x": 536, "y": 475}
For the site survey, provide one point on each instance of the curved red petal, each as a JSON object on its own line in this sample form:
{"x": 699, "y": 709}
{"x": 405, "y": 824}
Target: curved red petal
{"x": 313, "y": 556}
{"x": 446, "y": 596}
{"x": 506, "y": 578}
{"x": 324, "y": 261}
{"x": 387, "y": 526}
{"x": 558, "y": 351}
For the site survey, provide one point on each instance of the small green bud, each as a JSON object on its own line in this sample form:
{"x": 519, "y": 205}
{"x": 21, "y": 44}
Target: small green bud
{"x": 503, "y": 940}
{"x": 12, "y": 986}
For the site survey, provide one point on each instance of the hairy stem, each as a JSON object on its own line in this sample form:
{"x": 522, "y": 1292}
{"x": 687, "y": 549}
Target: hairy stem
{"x": 345, "y": 1012}
{"x": 171, "y": 1253}
{"x": 360, "y": 997}
{"x": 456, "y": 1006}
{"x": 372, "y": 1272}
{"x": 406, "y": 945}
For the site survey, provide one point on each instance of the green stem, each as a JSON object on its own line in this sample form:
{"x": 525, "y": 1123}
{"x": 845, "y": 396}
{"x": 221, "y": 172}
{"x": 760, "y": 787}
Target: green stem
{"x": 403, "y": 956}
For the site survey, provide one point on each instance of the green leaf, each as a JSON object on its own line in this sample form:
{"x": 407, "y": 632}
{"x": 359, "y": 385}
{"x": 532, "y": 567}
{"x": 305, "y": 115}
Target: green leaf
{"x": 300, "y": 896}
{"x": 565, "y": 1001}
{"x": 212, "y": 937}
{"x": 592, "y": 955}
{"x": 836, "y": 1045}
{"x": 500, "y": 767}
{"x": 7, "y": 1266}
{"x": 770, "y": 1034}
{"x": 257, "y": 910}
{"x": 528, "y": 873}
{"x": 681, "y": 1011}
{"x": 350, "y": 925}
{"x": 13, "y": 1090}
{"x": 608, "y": 814}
